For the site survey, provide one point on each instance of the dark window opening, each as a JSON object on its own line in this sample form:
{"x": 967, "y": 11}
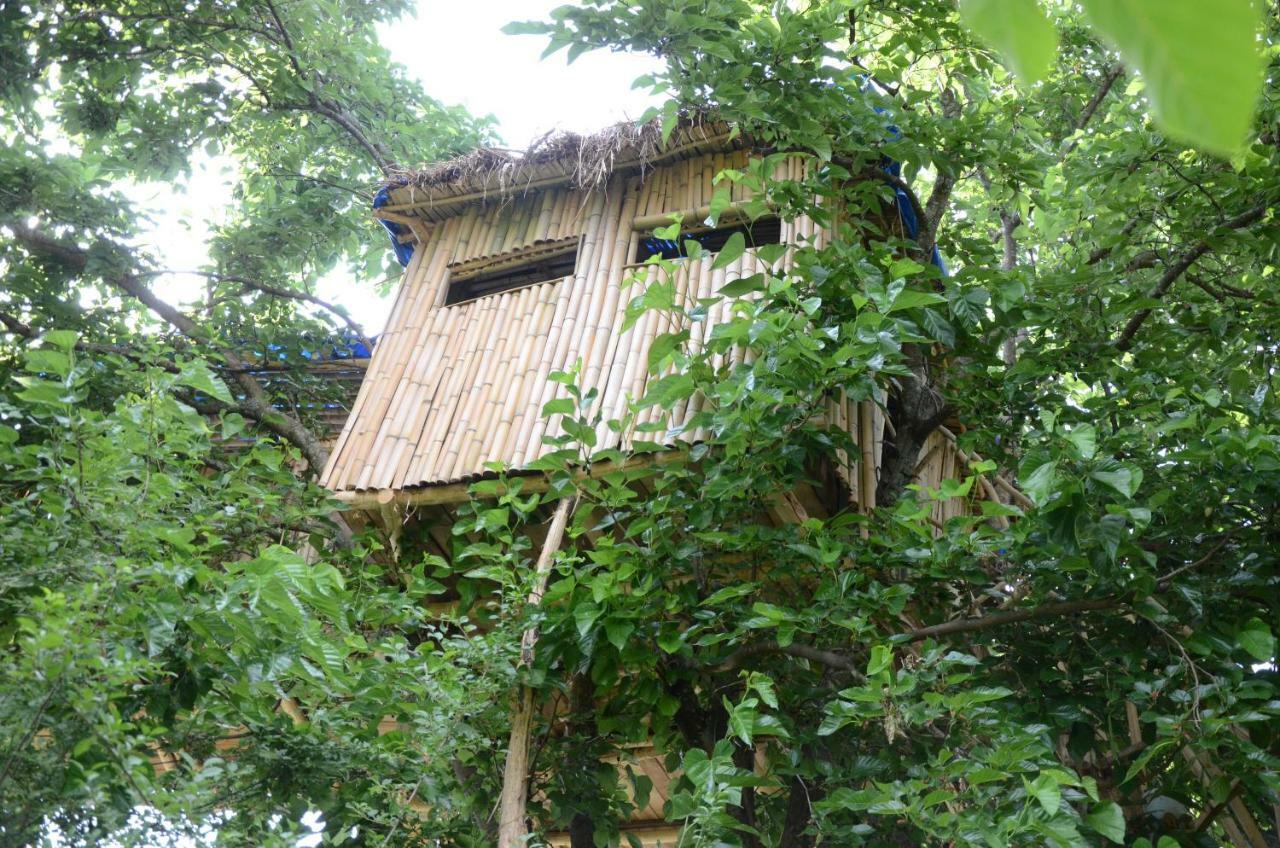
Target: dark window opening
{"x": 761, "y": 231}
{"x": 543, "y": 269}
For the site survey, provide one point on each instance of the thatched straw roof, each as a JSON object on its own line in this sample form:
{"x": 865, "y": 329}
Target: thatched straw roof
{"x": 558, "y": 158}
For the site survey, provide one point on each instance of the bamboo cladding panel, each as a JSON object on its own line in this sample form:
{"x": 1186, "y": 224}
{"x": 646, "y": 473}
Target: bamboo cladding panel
{"x": 689, "y": 184}
{"x": 504, "y": 226}
{"x": 453, "y": 389}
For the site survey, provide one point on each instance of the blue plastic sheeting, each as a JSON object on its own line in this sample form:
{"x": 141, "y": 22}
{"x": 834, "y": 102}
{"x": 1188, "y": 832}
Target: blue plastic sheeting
{"x": 344, "y": 347}
{"x": 908, "y": 212}
{"x": 404, "y": 251}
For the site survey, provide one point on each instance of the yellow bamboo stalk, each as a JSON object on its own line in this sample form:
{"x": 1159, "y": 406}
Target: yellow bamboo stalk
{"x": 420, "y": 285}
{"x": 569, "y": 340}
{"x": 542, "y": 222}
{"x": 342, "y": 458}
{"x": 524, "y": 364}
{"x": 867, "y": 472}
{"x": 512, "y": 803}
{"x": 540, "y": 367}
{"x": 480, "y": 357}
{"x": 447, "y": 385}
{"x": 498, "y": 386}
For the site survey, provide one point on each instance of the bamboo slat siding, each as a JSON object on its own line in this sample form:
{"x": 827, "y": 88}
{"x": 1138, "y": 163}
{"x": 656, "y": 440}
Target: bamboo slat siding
{"x": 451, "y": 390}
{"x": 504, "y": 227}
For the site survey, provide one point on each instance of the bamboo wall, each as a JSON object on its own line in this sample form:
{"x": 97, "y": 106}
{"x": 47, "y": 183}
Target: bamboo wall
{"x": 453, "y": 389}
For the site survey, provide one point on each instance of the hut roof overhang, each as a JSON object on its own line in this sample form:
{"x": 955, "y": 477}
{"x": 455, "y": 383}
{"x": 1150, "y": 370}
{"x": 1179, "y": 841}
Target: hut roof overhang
{"x": 561, "y": 159}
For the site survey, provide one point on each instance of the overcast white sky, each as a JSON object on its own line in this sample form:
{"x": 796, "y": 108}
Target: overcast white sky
{"x": 459, "y": 53}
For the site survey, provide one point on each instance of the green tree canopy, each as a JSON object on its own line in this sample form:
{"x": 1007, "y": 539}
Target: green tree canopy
{"x": 1089, "y": 660}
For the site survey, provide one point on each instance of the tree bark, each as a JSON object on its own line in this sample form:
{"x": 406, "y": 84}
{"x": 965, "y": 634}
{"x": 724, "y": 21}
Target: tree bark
{"x": 745, "y": 759}
{"x": 916, "y": 409}
{"x": 582, "y": 724}
{"x": 799, "y": 814}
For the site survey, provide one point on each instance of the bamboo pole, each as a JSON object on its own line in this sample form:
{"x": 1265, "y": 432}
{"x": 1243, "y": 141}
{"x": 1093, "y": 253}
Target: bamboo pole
{"x": 515, "y": 774}
{"x": 336, "y": 469}
{"x": 734, "y": 212}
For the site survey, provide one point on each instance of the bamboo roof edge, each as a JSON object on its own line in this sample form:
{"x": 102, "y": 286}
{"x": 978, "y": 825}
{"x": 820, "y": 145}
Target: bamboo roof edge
{"x": 457, "y": 492}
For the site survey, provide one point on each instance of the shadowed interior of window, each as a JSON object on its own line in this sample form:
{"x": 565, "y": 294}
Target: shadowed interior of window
{"x": 761, "y": 231}
{"x": 517, "y": 274}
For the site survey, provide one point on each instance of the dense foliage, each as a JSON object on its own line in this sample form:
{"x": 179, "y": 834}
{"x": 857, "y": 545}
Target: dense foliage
{"x": 1091, "y": 661}
{"x": 155, "y": 601}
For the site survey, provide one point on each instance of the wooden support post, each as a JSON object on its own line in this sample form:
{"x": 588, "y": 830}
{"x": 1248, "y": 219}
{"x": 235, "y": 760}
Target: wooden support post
{"x": 515, "y": 774}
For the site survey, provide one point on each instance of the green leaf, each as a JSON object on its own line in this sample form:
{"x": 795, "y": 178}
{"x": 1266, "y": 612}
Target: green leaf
{"x": 1018, "y": 30}
{"x": 1045, "y": 789}
{"x": 47, "y": 361}
{"x": 1085, "y": 439}
{"x": 743, "y": 285}
{"x": 584, "y": 616}
{"x": 663, "y": 346}
{"x": 671, "y": 641}
{"x": 881, "y": 657}
{"x": 741, "y": 721}
{"x": 559, "y": 406}
{"x": 733, "y": 248}
{"x": 1200, "y": 61}
{"x": 769, "y": 254}
{"x": 197, "y": 374}
{"x": 720, "y": 201}
{"x": 1123, "y": 480}
{"x": 1107, "y": 819}
{"x": 63, "y": 340}
{"x": 1042, "y": 483}
{"x": 904, "y": 267}
{"x": 938, "y": 327}
{"x": 912, "y": 298}
{"x": 736, "y": 590}
{"x": 617, "y": 632}
{"x": 1256, "y": 638}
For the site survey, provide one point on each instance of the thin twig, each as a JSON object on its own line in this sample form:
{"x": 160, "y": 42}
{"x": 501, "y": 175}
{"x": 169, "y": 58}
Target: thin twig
{"x": 1124, "y": 340}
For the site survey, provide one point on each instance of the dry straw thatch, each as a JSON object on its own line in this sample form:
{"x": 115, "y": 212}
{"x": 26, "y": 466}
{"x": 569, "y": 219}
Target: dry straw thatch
{"x": 579, "y": 161}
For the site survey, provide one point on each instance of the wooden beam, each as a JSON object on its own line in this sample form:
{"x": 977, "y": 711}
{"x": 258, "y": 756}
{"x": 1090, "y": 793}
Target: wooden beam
{"x": 732, "y": 212}
{"x": 384, "y": 215}
{"x": 512, "y": 804}
{"x": 452, "y": 493}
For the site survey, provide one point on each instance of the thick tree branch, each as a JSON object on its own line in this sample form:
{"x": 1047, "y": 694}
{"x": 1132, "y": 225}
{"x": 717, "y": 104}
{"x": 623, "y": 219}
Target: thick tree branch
{"x": 349, "y": 125}
{"x": 915, "y": 409}
{"x": 254, "y": 402}
{"x": 997, "y": 619}
{"x": 925, "y": 237}
{"x": 945, "y": 182}
{"x": 1102, "y": 253}
{"x": 831, "y": 659}
{"x": 1086, "y": 115}
{"x": 1124, "y": 341}
{"x": 799, "y": 814}
{"x": 276, "y": 291}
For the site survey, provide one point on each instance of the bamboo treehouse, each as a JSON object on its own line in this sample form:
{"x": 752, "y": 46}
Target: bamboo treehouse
{"x": 522, "y": 266}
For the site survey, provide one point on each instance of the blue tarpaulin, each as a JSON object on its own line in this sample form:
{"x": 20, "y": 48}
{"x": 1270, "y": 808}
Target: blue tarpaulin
{"x": 404, "y": 251}
{"x": 908, "y": 214}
